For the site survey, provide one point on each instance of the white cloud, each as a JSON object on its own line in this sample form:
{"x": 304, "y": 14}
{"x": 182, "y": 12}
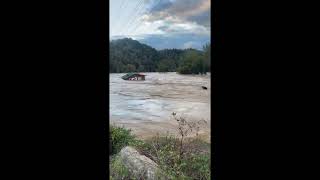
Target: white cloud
{"x": 183, "y": 10}
{"x": 168, "y": 27}
{"x": 170, "y": 24}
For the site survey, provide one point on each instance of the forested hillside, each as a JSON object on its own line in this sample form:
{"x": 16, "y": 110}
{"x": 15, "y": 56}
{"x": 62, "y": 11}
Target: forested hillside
{"x": 127, "y": 55}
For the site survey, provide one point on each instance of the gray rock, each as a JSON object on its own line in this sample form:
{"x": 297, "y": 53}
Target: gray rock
{"x": 139, "y": 165}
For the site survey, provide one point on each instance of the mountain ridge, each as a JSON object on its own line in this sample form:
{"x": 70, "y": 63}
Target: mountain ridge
{"x": 128, "y": 55}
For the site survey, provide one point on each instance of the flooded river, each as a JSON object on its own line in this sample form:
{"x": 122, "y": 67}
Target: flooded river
{"x": 146, "y": 106}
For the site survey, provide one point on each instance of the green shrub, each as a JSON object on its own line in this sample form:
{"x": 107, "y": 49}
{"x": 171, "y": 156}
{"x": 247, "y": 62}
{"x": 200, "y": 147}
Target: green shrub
{"x": 120, "y": 137}
{"x": 194, "y": 163}
{"x": 178, "y": 157}
{"x": 196, "y": 166}
{"x": 118, "y": 170}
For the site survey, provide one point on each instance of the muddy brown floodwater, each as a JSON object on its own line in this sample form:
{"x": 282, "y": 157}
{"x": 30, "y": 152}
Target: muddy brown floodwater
{"x": 146, "y": 106}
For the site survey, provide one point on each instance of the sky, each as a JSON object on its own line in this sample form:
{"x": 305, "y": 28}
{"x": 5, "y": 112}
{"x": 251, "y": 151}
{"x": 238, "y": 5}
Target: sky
{"x": 162, "y": 24}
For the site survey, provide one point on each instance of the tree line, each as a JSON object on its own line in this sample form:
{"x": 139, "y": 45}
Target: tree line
{"x": 128, "y": 55}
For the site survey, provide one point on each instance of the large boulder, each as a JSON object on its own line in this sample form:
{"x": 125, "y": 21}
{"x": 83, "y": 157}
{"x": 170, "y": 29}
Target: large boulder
{"x": 139, "y": 165}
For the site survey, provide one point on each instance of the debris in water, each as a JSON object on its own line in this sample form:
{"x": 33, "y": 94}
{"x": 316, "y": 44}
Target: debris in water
{"x": 134, "y": 77}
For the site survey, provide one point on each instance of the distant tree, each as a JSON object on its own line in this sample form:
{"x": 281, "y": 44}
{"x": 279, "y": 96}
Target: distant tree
{"x": 207, "y": 56}
{"x": 128, "y": 55}
{"x": 127, "y": 51}
{"x": 141, "y": 68}
{"x": 130, "y": 68}
{"x": 192, "y": 63}
{"x": 166, "y": 65}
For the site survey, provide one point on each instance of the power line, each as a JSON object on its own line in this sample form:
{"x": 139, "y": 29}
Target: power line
{"x": 134, "y": 16}
{"x": 133, "y": 23}
{"x": 123, "y": 5}
{"x": 121, "y": 21}
{"x": 136, "y": 21}
{"x": 113, "y": 11}
{"x": 138, "y": 24}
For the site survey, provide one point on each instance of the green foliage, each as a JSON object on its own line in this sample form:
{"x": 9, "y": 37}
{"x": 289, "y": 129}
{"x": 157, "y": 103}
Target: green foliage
{"x": 124, "y": 52}
{"x": 130, "y": 68}
{"x": 165, "y": 151}
{"x": 193, "y": 62}
{"x": 207, "y": 56}
{"x": 165, "y": 65}
{"x": 121, "y": 137}
{"x": 198, "y": 164}
{"x": 170, "y": 58}
{"x": 118, "y": 170}
{"x": 127, "y": 55}
{"x": 178, "y": 157}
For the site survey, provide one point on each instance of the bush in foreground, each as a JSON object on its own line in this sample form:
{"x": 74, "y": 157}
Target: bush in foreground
{"x": 179, "y": 157}
{"x": 194, "y": 163}
{"x": 121, "y": 137}
{"x": 118, "y": 170}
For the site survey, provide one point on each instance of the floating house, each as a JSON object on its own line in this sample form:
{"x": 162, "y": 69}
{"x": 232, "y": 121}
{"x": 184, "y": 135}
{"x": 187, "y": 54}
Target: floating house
{"x": 134, "y": 77}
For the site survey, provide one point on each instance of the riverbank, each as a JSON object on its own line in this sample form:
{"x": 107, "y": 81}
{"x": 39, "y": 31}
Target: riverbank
{"x": 177, "y": 157}
{"x": 147, "y": 130}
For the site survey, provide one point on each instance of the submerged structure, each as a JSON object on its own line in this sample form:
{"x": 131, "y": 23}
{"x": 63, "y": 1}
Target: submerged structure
{"x": 134, "y": 77}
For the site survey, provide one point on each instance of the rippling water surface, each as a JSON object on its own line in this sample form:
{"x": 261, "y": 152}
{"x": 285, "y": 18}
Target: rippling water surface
{"x": 146, "y": 106}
